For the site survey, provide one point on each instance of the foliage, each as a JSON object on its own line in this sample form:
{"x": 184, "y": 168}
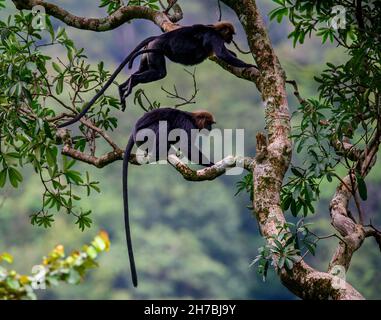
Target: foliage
{"x": 205, "y": 261}
{"x": 33, "y": 84}
{"x": 348, "y": 110}
{"x": 349, "y": 101}
{"x": 55, "y": 268}
{"x": 288, "y": 247}
{"x": 113, "y": 5}
{"x": 246, "y": 184}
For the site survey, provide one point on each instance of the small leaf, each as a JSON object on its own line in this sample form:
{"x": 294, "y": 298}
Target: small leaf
{"x": 14, "y": 177}
{"x": 56, "y": 67}
{"x": 6, "y": 257}
{"x": 3, "y": 177}
{"x": 59, "y": 86}
{"x": 363, "y": 192}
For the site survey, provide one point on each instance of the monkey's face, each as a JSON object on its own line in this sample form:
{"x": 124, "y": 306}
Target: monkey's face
{"x": 208, "y": 125}
{"x": 227, "y": 34}
{"x": 204, "y": 120}
{"x": 226, "y": 29}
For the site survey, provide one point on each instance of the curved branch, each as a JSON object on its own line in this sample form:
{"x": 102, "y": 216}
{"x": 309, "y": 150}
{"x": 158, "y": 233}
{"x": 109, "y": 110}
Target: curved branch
{"x": 63, "y": 136}
{"x": 125, "y": 14}
{"x": 353, "y": 233}
{"x": 212, "y": 172}
{"x": 116, "y": 19}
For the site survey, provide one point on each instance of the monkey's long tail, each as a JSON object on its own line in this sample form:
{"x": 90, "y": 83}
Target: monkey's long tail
{"x": 108, "y": 83}
{"x": 126, "y": 158}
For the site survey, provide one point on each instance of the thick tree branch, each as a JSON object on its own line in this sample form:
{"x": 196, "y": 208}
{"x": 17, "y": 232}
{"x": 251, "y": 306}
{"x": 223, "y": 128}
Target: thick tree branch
{"x": 212, "y": 172}
{"x": 116, "y": 19}
{"x": 250, "y": 74}
{"x": 274, "y": 155}
{"x": 346, "y": 149}
{"x": 353, "y": 234}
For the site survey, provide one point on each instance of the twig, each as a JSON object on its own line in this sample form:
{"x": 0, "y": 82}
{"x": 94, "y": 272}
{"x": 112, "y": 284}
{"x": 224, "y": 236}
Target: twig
{"x": 219, "y": 10}
{"x": 296, "y": 92}
{"x": 90, "y": 125}
{"x": 175, "y": 94}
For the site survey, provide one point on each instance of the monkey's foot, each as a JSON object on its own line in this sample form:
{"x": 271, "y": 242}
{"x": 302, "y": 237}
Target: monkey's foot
{"x": 123, "y": 104}
{"x": 124, "y": 92}
{"x": 122, "y": 98}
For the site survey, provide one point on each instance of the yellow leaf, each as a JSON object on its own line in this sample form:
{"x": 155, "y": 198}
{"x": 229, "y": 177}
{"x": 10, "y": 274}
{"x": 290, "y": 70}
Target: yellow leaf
{"x": 24, "y": 279}
{"x": 60, "y": 250}
{"x": 104, "y": 235}
{"x": 6, "y": 257}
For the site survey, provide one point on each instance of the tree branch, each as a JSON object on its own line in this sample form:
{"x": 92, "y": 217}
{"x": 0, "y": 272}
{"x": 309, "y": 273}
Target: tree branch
{"x": 353, "y": 233}
{"x": 122, "y": 15}
{"x": 274, "y": 156}
{"x": 250, "y": 74}
{"x": 212, "y": 172}
{"x": 125, "y": 14}
{"x": 63, "y": 136}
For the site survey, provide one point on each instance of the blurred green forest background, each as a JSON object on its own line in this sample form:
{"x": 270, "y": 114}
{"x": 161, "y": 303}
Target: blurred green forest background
{"x": 192, "y": 240}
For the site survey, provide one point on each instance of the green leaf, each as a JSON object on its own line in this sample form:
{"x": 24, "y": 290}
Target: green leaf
{"x": 289, "y": 264}
{"x": 47, "y": 130}
{"x": 363, "y": 192}
{"x": 56, "y": 67}
{"x": 50, "y": 157}
{"x": 73, "y": 176}
{"x": 294, "y": 210}
{"x": 92, "y": 252}
{"x": 74, "y": 277}
{"x": 6, "y": 257}
{"x": 286, "y": 203}
{"x": 14, "y": 177}
{"x": 59, "y": 86}
{"x": 3, "y": 177}
{"x": 296, "y": 172}
{"x": 311, "y": 247}
{"x": 13, "y": 283}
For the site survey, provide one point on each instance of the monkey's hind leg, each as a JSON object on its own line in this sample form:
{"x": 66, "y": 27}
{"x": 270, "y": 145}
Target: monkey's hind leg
{"x": 125, "y": 88}
{"x": 154, "y": 70}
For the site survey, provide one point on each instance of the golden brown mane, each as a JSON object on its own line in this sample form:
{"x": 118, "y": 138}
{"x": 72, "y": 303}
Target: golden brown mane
{"x": 203, "y": 118}
{"x": 226, "y": 29}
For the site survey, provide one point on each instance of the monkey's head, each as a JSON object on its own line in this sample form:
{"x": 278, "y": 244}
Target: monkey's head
{"x": 226, "y": 29}
{"x": 203, "y": 119}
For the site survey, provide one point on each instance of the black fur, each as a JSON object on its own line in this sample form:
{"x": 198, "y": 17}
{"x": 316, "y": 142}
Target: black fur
{"x": 187, "y": 45}
{"x": 176, "y": 119}
{"x": 108, "y": 83}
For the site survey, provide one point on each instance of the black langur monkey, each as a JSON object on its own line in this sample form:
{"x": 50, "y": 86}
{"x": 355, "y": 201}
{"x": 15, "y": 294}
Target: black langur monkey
{"x": 175, "y": 119}
{"x": 189, "y": 46}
